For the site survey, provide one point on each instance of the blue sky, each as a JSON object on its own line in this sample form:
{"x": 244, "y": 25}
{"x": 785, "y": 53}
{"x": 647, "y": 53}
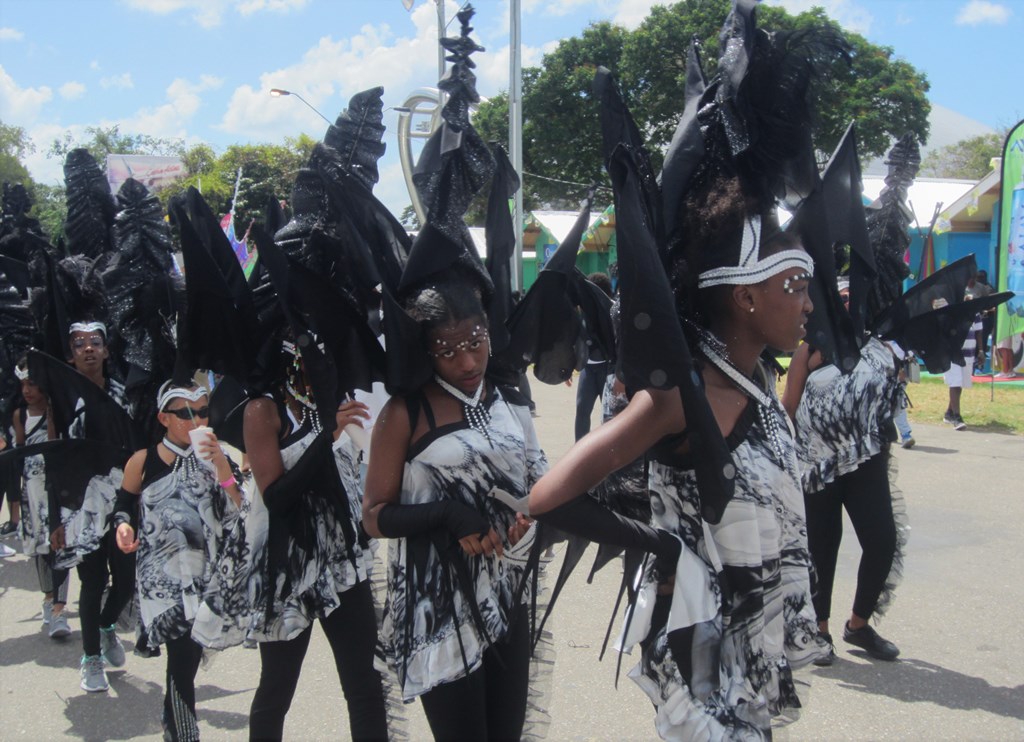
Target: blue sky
{"x": 201, "y": 69}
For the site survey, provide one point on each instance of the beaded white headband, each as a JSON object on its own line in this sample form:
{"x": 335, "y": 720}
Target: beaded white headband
{"x": 750, "y": 270}
{"x": 168, "y": 393}
{"x": 87, "y": 327}
{"x": 22, "y": 374}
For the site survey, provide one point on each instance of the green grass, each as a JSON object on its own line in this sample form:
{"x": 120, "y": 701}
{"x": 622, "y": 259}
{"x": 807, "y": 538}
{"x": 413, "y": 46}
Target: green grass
{"x": 1000, "y": 411}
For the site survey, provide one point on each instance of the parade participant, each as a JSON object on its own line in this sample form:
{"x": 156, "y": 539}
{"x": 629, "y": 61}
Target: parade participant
{"x": 176, "y": 499}
{"x": 844, "y": 424}
{"x": 324, "y": 574}
{"x": 723, "y": 612}
{"x": 30, "y": 426}
{"x": 456, "y": 630}
{"x": 453, "y": 631}
{"x": 82, "y": 538}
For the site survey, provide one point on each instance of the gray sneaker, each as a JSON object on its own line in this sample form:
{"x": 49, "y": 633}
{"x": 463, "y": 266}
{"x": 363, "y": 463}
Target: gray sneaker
{"x": 47, "y": 610}
{"x": 111, "y": 647}
{"x": 94, "y": 677}
{"x": 59, "y": 628}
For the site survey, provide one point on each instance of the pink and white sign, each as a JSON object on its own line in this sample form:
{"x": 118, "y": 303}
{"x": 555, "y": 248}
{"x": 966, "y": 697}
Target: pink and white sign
{"x": 152, "y": 171}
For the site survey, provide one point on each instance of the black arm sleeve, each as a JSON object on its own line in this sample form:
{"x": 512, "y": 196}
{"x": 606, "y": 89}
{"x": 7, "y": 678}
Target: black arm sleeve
{"x": 126, "y": 509}
{"x": 283, "y": 494}
{"x": 586, "y": 517}
{"x": 458, "y": 518}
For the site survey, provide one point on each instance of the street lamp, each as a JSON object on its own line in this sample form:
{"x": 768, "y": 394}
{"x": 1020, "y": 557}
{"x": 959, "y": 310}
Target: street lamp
{"x": 278, "y": 93}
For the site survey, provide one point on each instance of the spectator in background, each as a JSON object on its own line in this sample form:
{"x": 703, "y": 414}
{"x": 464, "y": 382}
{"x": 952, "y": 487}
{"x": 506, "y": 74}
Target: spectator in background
{"x": 978, "y": 288}
{"x": 595, "y": 373}
{"x": 958, "y": 378}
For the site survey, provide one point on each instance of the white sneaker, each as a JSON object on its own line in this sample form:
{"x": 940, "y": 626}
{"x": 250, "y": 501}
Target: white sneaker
{"x": 59, "y": 628}
{"x": 94, "y": 677}
{"x": 6, "y": 551}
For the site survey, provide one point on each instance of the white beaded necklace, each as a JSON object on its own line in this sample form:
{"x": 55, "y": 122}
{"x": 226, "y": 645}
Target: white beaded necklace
{"x": 767, "y": 405}
{"x": 186, "y": 459}
{"x": 477, "y": 415}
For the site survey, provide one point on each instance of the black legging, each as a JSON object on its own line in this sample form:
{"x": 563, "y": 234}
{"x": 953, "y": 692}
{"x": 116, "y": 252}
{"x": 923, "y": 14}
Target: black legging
{"x": 489, "y": 703}
{"x": 590, "y": 385}
{"x": 93, "y": 571}
{"x": 865, "y": 495}
{"x": 351, "y": 629}
{"x": 183, "y": 658}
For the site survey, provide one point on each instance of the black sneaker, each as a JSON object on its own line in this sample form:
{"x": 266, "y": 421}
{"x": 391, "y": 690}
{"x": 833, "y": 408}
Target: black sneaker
{"x": 949, "y": 418}
{"x": 8, "y": 528}
{"x": 958, "y": 423}
{"x": 826, "y": 660}
{"x": 868, "y": 639}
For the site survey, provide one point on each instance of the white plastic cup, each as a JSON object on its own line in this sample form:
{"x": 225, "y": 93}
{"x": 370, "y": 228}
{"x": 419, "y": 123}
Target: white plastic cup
{"x": 200, "y": 435}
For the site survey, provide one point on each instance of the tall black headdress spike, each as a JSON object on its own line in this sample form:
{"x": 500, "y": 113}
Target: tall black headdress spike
{"x": 545, "y": 328}
{"x": 933, "y": 318}
{"x": 888, "y": 223}
{"x": 360, "y": 246}
{"x": 145, "y": 293}
{"x": 91, "y": 207}
{"x": 653, "y": 352}
{"x": 454, "y": 165}
{"x": 500, "y": 234}
{"x": 834, "y": 215}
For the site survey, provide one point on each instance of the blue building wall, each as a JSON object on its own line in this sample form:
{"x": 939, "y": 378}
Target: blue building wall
{"x": 951, "y": 246}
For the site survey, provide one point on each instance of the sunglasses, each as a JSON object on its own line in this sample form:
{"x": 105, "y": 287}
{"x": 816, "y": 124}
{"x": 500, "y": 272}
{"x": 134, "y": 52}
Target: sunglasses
{"x": 188, "y": 413}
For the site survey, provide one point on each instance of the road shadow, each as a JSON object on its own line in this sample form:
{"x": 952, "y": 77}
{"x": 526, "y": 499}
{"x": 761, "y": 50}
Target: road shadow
{"x": 917, "y": 681}
{"x": 934, "y": 449}
{"x": 133, "y": 708}
{"x": 18, "y": 573}
{"x": 38, "y": 648}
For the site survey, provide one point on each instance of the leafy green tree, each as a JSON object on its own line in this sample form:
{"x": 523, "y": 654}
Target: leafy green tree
{"x": 15, "y": 144}
{"x": 561, "y": 138}
{"x": 969, "y": 159}
{"x": 409, "y": 219}
{"x": 108, "y": 140}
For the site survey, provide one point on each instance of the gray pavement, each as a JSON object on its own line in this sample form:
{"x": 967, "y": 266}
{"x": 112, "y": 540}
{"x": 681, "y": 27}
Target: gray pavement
{"x": 956, "y": 619}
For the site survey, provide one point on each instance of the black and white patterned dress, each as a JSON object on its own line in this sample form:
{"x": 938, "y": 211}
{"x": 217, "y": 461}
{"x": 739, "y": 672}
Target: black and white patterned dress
{"x": 625, "y": 490}
{"x": 34, "y": 527}
{"x": 742, "y": 588}
{"x": 845, "y": 419}
{"x": 183, "y": 518}
{"x": 85, "y": 527}
{"x": 429, "y": 632}
{"x": 244, "y": 602}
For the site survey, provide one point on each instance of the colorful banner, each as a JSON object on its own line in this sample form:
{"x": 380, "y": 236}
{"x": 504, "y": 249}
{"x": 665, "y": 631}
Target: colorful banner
{"x": 227, "y": 223}
{"x": 152, "y": 171}
{"x": 1010, "y": 316}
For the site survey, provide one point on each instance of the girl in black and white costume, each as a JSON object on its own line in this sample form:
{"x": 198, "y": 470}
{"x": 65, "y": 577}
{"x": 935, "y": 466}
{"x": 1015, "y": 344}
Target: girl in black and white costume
{"x": 83, "y": 538}
{"x": 723, "y": 613}
{"x": 175, "y": 503}
{"x": 305, "y": 562}
{"x": 30, "y": 426}
{"x": 454, "y": 632}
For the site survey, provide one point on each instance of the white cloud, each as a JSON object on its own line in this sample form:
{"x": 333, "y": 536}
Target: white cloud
{"x": 71, "y": 90}
{"x": 631, "y": 13}
{"x": 848, "y": 13}
{"x": 977, "y": 12}
{"x": 94, "y": 64}
{"x": 247, "y": 7}
{"x": 210, "y": 13}
{"x": 121, "y": 82}
{"x": 171, "y": 118}
{"x": 20, "y": 106}
{"x": 10, "y": 34}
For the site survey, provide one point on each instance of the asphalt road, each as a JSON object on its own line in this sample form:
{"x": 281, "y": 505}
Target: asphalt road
{"x": 956, "y": 618}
